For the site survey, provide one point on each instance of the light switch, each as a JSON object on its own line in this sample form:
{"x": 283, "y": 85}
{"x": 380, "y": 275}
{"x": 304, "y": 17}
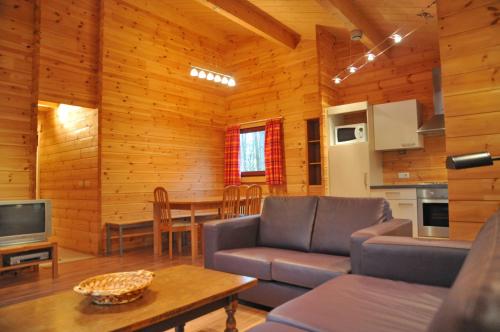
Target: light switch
{"x": 404, "y": 175}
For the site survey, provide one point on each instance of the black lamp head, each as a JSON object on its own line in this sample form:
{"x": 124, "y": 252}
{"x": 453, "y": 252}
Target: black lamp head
{"x": 469, "y": 160}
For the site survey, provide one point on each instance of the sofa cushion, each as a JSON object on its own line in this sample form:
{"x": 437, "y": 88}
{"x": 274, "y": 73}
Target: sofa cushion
{"x": 338, "y": 217}
{"x": 309, "y": 269}
{"x": 353, "y": 303}
{"x": 474, "y": 300}
{"x": 289, "y": 266}
{"x": 252, "y": 262}
{"x": 287, "y": 222}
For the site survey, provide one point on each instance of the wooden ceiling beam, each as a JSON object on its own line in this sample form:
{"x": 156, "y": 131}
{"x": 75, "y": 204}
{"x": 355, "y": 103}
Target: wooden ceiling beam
{"x": 254, "y": 19}
{"x": 351, "y": 15}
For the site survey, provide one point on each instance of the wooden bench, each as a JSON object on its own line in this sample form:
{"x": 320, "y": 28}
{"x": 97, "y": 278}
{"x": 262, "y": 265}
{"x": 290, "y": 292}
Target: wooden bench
{"x": 121, "y": 226}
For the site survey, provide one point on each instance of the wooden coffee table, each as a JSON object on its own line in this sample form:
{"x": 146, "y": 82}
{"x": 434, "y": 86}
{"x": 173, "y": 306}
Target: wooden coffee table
{"x": 176, "y": 296}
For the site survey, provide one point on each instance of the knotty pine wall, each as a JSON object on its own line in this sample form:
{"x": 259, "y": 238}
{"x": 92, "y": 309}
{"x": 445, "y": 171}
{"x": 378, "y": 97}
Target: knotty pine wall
{"x": 17, "y": 121}
{"x": 159, "y": 126}
{"x": 274, "y": 81}
{"x": 68, "y": 166}
{"x": 68, "y": 56}
{"x": 407, "y": 74}
{"x": 470, "y": 56}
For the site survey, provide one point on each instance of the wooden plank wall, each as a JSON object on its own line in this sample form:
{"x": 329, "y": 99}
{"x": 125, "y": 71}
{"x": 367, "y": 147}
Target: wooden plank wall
{"x": 470, "y": 55}
{"x": 273, "y": 81}
{"x": 159, "y": 125}
{"x": 406, "y": 75}
{"x": 69, "y": 32}
{"x": 17, "y": 123}
{"x": 68, "y": 166}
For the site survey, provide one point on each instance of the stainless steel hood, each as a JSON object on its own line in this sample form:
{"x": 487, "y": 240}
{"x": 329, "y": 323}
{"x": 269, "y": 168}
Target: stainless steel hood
{"x": 435, "y": 125}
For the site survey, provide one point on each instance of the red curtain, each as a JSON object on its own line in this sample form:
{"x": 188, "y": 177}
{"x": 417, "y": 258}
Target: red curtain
{"x": 232, "y": 156}
{"x": 274, "y": 152}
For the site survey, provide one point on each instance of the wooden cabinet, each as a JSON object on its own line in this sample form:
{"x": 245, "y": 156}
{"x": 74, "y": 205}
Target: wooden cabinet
{"x": 396, "y": 125}
{"x": 403, "y": 203}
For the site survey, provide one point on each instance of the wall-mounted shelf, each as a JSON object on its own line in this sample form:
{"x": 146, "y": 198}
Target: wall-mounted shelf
{"x": 314, "y": 165}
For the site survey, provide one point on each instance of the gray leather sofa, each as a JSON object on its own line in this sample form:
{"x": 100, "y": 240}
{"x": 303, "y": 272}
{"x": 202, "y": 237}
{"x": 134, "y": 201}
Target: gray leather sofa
{"x": 404, "y": 287}
{"x": 297, "y": 243}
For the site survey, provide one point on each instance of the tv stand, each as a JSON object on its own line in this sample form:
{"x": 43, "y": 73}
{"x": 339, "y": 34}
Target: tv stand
{"x": 20, "y": 249}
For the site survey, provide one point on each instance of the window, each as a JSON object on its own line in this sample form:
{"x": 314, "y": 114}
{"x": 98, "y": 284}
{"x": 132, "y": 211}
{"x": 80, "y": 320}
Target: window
{"x": 252, "y": 142}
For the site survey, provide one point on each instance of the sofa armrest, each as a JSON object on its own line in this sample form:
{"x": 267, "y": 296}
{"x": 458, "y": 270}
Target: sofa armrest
{"x": 424, "y": 261}
{"x": 395, "y": 227}
{"x": 229, "y": 234}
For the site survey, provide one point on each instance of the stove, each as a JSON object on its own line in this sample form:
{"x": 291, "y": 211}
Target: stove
{"x": 432, "y": 212}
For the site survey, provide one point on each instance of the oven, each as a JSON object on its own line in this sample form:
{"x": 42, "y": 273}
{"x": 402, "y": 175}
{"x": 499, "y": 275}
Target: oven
{"x": 432, "y": 212}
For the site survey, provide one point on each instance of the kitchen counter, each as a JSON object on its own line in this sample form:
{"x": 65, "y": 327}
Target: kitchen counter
{"x": 416, "y": 185}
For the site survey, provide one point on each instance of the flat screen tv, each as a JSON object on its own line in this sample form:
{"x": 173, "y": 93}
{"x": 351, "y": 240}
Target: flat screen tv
{"x": 24, "y": 221}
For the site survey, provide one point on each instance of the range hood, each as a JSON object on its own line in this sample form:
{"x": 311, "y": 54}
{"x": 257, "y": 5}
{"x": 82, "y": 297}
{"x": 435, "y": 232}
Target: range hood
{"x": 435, "y": 125}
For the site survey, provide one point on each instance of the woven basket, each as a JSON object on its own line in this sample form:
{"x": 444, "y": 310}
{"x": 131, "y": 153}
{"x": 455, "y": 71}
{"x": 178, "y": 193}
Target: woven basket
{"x": 116, "y": 288}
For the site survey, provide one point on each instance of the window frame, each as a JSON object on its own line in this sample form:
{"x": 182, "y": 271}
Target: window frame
{"x": 253, "y": 130}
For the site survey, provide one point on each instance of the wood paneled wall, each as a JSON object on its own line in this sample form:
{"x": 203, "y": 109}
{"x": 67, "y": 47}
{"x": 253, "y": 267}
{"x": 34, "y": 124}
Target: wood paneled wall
{"x": 17, "y": 122}
{"x": 274, "y": 81}
{"x": 69, "y": 32}
{"x": 69, "y": 175}
{"x": 407, "y": 74}
{"x": 470, "y": 56}
{"x": 159, "y": 126}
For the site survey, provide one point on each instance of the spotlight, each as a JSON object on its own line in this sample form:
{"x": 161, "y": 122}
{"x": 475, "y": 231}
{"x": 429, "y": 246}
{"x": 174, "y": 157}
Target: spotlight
{"x": 231, "y": 82}
{"x": 397, "y": 38}
{"x": 370, "y": 56}
{"x": 337, "y": 80}
{"x": 202, "y": 74}
{"x": 352, "y": 69}
{"x": 210, "y": 77}
{"x": 217, "y": 78}
{"x": 194, "y": 72}
{"x": 224, "y": 80}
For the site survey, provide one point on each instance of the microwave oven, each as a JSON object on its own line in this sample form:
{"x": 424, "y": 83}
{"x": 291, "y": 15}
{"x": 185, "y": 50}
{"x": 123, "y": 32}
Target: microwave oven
{"x": 354, "y": 133}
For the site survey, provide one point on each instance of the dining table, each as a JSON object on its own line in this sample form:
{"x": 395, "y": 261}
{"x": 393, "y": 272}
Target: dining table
{"x": 193, "y": 205}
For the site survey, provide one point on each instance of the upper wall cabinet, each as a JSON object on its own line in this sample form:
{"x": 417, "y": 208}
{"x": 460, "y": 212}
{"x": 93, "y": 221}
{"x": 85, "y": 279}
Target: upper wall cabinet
{"x": 396, "y": 124}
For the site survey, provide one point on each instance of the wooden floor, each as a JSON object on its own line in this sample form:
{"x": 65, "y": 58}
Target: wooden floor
{"x": 29, "y": 285}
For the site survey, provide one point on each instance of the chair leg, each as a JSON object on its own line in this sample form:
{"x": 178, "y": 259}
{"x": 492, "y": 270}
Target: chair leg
{"x": 170, "y": 244}
{"x": 156, "y": 239}
{"x": 179, "y": 243}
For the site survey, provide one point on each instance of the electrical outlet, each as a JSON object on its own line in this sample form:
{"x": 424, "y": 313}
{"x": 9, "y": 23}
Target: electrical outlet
{"x": 404, "y": 175}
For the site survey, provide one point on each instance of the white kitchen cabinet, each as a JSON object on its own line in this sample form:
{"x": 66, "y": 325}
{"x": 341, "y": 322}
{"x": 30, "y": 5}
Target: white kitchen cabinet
{"x": 403, "y": 203}
{"x": 396, "y": 124}
{"x": 349, "y": 170}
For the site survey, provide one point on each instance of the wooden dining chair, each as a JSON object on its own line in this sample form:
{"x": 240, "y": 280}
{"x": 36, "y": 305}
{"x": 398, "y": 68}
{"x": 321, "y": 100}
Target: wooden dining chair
{"x": 253, "y": 199}
{"x": 162, "y": 223}
{"x": 230, "y": 202}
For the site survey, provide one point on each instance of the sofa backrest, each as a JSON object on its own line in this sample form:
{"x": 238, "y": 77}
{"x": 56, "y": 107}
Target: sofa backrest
{"x": 338, "y": 217}
{"x": 287, "y": 222}
{"x": 473, "y": 303}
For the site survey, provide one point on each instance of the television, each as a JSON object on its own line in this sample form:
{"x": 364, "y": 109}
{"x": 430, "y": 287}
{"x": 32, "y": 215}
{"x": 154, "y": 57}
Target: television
{"x": 24, "y": 221}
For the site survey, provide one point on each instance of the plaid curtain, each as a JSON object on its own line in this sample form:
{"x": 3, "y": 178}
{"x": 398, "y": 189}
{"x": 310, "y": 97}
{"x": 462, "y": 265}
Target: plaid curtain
{"x": 232, "y": 156}
{"x": 274, "y": 152}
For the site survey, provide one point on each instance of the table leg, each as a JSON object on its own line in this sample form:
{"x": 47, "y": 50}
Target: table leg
{"x": 55, "y": 261}
{"x": 179, "y": 328}
{"x": 120, "y": 231}
{"x": 231, "y": 311}
{"x": 194, "y": 235}
{"x": 108, "y": 239}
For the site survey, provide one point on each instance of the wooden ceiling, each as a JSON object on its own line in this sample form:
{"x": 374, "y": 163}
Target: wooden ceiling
{"x": 302, "y": 16}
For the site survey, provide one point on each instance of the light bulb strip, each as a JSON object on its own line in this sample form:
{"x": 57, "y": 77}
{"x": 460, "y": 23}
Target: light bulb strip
{"x": 212, "y": 76}
{"x": 362, "y": 61}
